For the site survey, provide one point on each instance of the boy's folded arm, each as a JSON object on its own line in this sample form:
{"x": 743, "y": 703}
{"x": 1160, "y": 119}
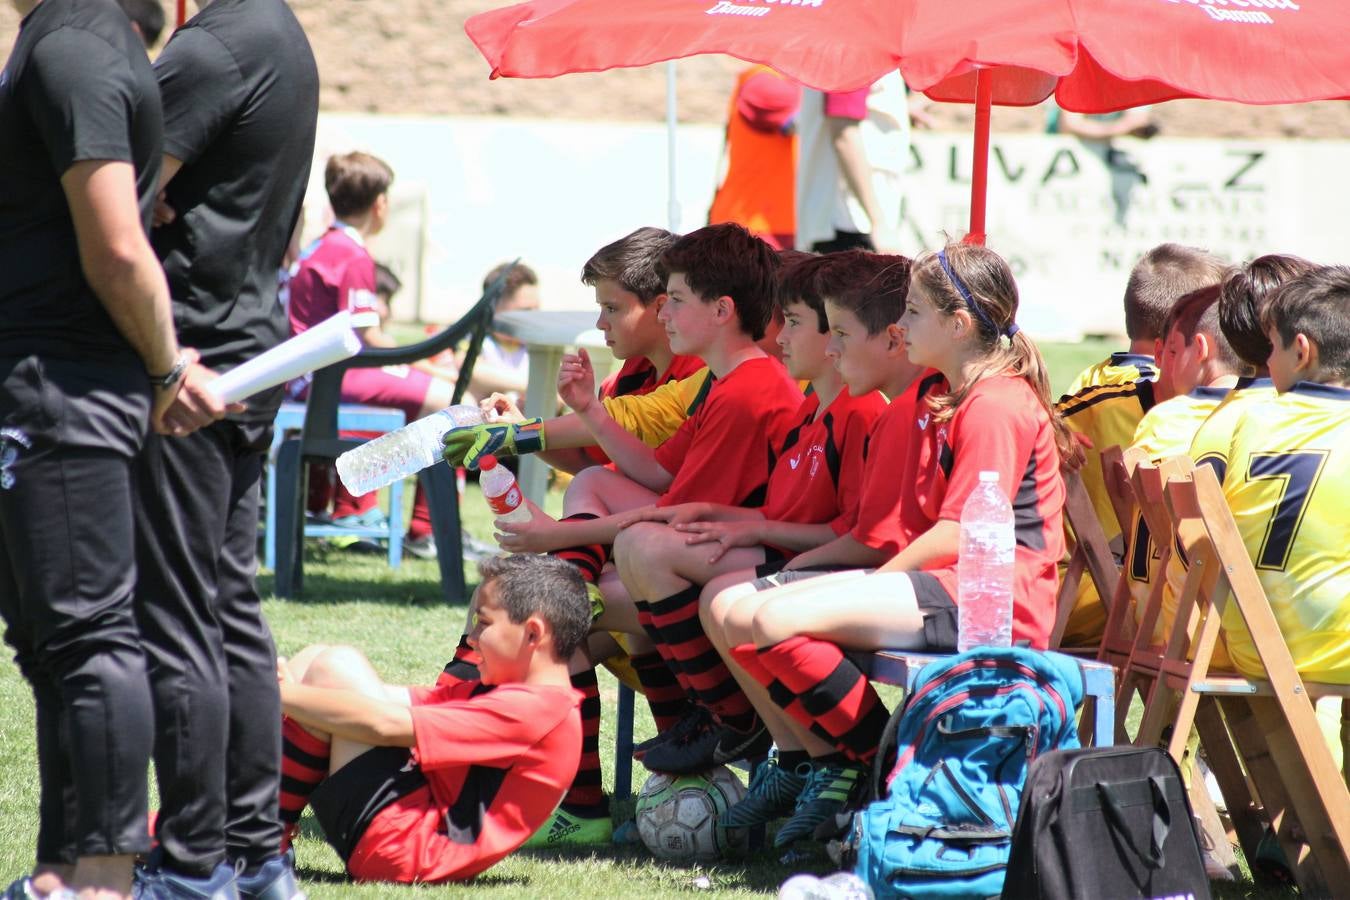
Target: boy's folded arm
{"x": 938, "y": 545}
{"x": 797, "y": 536}
{"x": 633, "y": 458}
{"x": 844, "y": 551}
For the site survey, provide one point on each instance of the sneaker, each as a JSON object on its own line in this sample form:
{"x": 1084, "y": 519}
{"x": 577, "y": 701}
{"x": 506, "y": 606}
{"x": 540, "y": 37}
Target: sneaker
{"x": 273, "y": 880}
{"x": 700, "y": 750}
{"x": 829, "y": 788}
{"x": 154, "y": 882}
{"x": 564, "y": 827}
{"x": 696, "y": 718}
{"x": 773, "y": 793}
{"x": 423, "y": 546}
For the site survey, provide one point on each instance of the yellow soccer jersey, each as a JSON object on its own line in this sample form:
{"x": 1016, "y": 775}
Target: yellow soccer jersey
{"x": 1211, "y": 442}
{"x": 1118, "y": 368}
{"x": 655, "y": 416}
{"x": 1288, "y": 485}
{"x": 1107, "y": 415}
{"x": 1166, "y": 430}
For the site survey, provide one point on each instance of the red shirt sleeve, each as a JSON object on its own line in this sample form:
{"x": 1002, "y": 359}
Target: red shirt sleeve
{"x": 993, "y": 430}
{"x": 862, "y": 416}
{"x": 492, "y": 729}
{"x": 878, "y": 522}
{"x": 848, "y": 104}
{"x": 356, "y": 287}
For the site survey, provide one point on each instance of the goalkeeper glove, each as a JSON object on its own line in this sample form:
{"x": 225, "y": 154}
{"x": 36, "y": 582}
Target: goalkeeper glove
{"x": 466, "y": 446}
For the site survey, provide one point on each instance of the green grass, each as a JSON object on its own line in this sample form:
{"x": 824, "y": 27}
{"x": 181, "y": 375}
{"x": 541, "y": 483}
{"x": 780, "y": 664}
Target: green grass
{"x": 399, "y": 619}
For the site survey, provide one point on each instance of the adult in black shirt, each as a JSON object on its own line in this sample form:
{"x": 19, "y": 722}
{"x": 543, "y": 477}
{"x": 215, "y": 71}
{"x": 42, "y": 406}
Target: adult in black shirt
{"x": 84, "y": 320}
{"x": 240, "y": 91}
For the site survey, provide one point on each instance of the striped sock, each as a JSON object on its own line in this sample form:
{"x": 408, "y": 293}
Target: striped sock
{"x": 644, "y": 617}
{"x": 589, "y": 559}
{"x": 747, "y": 656}
{"x": 586, "y": 792}
{"x": 464, "y": 666}
{"x": 675, "y": 619}
{"x": 667, "y": 700}
{"x": 833, "y": 694}
{"x": 304, "y": 763}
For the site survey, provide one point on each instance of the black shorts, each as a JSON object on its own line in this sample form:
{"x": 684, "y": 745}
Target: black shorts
{"x": 936, "y": 605}
{"x": 347, "y": 801}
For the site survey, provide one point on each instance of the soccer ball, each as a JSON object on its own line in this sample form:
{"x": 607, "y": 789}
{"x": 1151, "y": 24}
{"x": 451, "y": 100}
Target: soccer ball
{"x": 677, "y": 815}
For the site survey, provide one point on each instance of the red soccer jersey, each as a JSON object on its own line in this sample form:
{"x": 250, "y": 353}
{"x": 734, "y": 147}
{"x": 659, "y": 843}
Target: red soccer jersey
{"x": 817, "y": 473}
{"x": 1001, "y": 427}
{"x": 496, "y": 765}
{"x": 721, "y": 453}
{"x": 637, "y": 376}
{"x": 876, "y": 523}
{"x": 335, "y": 273}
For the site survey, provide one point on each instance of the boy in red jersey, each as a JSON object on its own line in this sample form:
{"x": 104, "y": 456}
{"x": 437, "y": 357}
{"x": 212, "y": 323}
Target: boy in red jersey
{"x": 428, "y": 785}
{"x": 812, "y": 493}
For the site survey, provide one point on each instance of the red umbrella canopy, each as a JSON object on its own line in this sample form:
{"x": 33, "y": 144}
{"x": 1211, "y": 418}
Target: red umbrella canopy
{"x": 1095, "y": 55}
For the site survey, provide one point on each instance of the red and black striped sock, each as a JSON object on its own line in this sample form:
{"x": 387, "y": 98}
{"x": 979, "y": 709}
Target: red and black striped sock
{"x": 747, "y": 656}
{"x": 586, "y": 794}
{"x": 464, "y": 666}
{"x": 644, "y": 617}
{"x": 589, "y": 559}
{"x": 304, "y": 763}
{"x": 833, "y": 694}
{"x": 675, "y": 619}
{"x": 667, "y": 699}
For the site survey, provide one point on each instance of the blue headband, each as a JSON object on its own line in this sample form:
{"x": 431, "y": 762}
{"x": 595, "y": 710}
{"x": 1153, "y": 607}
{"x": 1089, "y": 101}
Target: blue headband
{"x": 970, "y": 300}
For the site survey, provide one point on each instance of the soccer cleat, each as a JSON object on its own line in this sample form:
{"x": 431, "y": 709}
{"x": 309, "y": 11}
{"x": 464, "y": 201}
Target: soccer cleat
{"x": 697, "y": 718}
{"x": 273, "y": 880}
{"x": 154, "y": 882}
{"x": 829, "y": 789}
{"x": 423, "y": 546}
{"x": 713, "y": 745}
{"x": 773, "y": 794}
{"x": 564, "y": 827}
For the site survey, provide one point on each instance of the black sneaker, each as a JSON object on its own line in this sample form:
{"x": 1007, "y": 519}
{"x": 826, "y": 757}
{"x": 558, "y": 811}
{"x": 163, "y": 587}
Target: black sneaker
{"x": 829, "y": 790}
{"x": 700, "y": 750}
{"x": 773, "y": 794}
{"x": 695, "y": 719}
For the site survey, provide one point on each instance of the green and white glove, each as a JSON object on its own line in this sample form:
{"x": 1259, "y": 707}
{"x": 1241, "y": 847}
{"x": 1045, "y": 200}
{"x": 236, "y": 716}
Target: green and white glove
{"x": 466, "y": 446}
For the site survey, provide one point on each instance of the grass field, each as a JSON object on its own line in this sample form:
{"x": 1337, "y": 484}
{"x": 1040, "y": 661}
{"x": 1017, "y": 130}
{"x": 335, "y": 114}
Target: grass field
{"x": 400, "y": 621}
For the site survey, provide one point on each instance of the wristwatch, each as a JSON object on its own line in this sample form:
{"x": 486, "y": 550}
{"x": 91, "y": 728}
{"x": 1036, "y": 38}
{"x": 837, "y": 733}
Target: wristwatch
{"x": 174, "y": 375}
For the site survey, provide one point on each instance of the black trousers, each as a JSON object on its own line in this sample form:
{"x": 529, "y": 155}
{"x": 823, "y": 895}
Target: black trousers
{"x": 68, "y": 434}
{"x": 211, "y": 657}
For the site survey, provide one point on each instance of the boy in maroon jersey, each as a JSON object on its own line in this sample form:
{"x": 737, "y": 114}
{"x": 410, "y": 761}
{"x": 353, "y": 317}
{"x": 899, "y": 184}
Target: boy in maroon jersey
{"x": 435, "y": 784}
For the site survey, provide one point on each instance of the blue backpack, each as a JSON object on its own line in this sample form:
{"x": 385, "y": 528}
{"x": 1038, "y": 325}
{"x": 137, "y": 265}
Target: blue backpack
{"x": 963, "y": 742}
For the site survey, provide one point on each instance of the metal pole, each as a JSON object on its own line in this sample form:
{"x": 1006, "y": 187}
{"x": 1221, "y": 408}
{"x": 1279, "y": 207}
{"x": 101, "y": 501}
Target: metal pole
{"x": 979, "y": 173}
{"x": 672, "y": 197}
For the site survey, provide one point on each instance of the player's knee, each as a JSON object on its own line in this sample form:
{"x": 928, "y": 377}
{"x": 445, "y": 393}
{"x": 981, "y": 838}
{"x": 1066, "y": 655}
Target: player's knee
{"x": 337, "y": 665}
{"x": 721, "y": 606}
{"x": 585, "y": 491}
{"x": 771, "y": 623}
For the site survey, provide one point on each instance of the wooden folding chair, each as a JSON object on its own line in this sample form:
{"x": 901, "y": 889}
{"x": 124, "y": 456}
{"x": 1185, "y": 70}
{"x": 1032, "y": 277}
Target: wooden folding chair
{"x": 1270, "y": 722}
{"x": 1118, "y": 636}
{"x": 1091, "y": 556}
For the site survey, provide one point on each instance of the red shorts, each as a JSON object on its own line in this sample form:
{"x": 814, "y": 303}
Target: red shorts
{"x": 401, "y": 387}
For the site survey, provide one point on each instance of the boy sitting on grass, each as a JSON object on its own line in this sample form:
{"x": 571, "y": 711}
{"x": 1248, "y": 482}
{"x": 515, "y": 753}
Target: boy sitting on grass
{"x": 435, "y": 784}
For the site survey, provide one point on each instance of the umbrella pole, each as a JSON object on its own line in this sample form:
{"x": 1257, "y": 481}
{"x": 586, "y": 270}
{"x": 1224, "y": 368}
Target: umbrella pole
{"x": 672, "y": 197}
{"x": 979, "y": 173}
{"x": 182, "y": 12}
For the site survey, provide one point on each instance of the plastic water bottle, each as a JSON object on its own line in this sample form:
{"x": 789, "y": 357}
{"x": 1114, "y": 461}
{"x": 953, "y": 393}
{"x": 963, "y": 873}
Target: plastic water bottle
{"x": 404, "y": 452}
{"x": 984, "y": 570}
{"x": 839, "y": 886}
{"x": 501, "y": 492}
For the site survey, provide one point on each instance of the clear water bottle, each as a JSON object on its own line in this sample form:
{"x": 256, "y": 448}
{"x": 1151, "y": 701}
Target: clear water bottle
{"x": 984, "y": 570}
{"x": 404, "y": 452}
{"x": 839, "y": 886}
{"x": 501, "y": 492}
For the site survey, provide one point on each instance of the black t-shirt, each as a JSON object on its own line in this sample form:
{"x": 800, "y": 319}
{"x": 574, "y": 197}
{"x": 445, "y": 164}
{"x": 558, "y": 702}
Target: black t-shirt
{"x": 76, "y": 87}
{"x": 241, "y": 100}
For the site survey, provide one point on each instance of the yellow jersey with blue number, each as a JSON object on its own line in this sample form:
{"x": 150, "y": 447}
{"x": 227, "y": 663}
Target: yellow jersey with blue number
{"x": 1107, "y": 412}
{"x": 1168, "y": 429}
{"x": 1211, "y": 441}
{"x": 1288, "y": 486}
{"x": 1118, "y": 368}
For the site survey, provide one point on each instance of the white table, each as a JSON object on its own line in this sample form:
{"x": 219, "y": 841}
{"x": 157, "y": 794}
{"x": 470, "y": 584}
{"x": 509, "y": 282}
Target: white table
{"x": 547, "y": 334}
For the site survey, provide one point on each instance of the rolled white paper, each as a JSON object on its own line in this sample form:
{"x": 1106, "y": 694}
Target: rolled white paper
{"x": 332, "y": 340}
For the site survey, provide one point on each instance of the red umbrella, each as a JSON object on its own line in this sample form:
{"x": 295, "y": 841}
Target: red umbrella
{"x": 1093, "y": 55}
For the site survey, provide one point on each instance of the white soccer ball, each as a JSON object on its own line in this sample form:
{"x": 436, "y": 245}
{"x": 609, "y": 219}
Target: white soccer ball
{"x": 678, "y": 815}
